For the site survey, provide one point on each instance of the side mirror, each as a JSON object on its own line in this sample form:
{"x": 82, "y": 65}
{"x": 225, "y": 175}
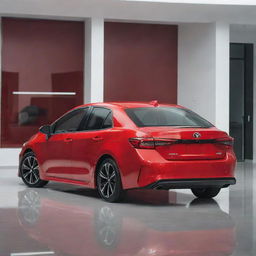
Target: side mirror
{"x": 46, "y": 129}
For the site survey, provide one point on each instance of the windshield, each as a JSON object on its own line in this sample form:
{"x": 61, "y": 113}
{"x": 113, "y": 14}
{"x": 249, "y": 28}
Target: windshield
{"x": 166, "y": 116}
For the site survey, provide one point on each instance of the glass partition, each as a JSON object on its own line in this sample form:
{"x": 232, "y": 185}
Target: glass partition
{"x": 42, "y": 74}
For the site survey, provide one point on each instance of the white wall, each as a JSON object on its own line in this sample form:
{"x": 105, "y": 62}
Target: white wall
{"x": 203, "y": 71}
{"x": 196, "y": 68}
{"x": 247, "y": 34}
{"x": 9, "y": 156}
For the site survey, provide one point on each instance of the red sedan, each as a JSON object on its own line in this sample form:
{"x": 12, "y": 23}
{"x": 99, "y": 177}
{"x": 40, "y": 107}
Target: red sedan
{"x": 118, "y": 146}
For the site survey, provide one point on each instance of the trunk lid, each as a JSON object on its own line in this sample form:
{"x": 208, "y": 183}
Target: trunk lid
{"x": 190, "y": 143}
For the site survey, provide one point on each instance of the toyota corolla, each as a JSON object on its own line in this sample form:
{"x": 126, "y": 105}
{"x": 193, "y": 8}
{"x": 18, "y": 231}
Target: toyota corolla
{"x": 113, "y": 147}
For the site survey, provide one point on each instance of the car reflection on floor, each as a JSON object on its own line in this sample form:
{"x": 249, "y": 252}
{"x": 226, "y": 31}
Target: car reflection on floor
{"x": 76, "y": 225}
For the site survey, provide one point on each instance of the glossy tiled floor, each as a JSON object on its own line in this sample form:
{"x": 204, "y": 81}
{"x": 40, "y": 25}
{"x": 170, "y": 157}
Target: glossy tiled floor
{"x": 68, "y": 220}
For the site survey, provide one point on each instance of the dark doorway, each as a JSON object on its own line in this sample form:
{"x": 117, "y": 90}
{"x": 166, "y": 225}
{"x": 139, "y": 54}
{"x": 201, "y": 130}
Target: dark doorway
{"x": 241, "y": 99}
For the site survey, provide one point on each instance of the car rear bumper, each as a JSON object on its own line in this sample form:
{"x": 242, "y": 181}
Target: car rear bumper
{"x": 192, "y": 183}
{"x": 159, "y": 169}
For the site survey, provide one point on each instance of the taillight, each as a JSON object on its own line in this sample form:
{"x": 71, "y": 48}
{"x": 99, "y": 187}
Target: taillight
{"x": 142, "y": 142}
{"x": 150, "y": 143}
{"x": 225, "y": 141}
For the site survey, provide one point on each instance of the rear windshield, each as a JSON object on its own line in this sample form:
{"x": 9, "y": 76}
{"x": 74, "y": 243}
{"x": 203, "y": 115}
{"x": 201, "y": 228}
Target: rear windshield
{"x": 166, "y": 116}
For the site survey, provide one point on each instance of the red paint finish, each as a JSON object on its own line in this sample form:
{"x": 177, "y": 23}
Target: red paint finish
{"x": 140, "y": 62}
{"x": 72, "y": 156}
{"x": 38, "y": 56}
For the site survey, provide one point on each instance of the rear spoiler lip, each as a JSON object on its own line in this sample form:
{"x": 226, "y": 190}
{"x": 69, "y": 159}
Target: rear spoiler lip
{"x": 195, "y": 141}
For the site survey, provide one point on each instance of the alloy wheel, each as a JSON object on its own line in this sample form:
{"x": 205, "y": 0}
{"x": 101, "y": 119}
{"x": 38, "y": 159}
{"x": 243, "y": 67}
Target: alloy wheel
{"x": 107, "y": 180}
{"x": 30, "y": 170}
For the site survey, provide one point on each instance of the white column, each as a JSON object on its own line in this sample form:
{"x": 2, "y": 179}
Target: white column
{"x": 94, "y": 60}
{"x": 222, "y": 76}
{"x": 203, "y": 71}
{"x": 196, "y": 68}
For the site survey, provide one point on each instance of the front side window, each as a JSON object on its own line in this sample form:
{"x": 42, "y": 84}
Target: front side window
{"x": 70, "y": 122}
{"x": 100, "y": 118}
{"x": 166, "y": 116}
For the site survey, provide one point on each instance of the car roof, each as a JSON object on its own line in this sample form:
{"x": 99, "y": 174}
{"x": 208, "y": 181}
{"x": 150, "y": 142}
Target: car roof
{"x": 127, "y": 104}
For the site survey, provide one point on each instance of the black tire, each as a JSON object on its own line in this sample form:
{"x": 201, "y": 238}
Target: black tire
{"x": 205, "y": 192}
{"x": 109, "y": 184}
{"x": 29, "y": 171}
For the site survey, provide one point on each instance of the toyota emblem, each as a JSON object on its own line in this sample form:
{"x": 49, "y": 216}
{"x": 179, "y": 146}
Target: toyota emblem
{"x": 196, "y": 135}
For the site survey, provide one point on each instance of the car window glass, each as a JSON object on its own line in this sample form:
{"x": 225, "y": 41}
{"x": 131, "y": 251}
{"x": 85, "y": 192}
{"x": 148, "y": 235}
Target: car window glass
{"x": 108, "y": 121}
{"x": 70, "y": 122}
{"x": 100, "y": 118}
{"x": 166, "y": 116}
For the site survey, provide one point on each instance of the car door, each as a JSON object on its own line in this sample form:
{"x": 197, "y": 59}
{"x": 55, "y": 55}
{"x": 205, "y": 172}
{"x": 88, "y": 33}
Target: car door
{"x": 89, "y": 142}
{"x": 59, "y": 146}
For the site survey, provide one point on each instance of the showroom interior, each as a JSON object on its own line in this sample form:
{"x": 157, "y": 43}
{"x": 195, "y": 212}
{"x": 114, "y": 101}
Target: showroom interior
{"x": 56, "y": 55}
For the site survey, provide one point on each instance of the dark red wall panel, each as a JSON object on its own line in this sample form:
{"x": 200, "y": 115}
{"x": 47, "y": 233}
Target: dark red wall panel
{"x": 140, "y": 62}
{"x": 38, "y": 56}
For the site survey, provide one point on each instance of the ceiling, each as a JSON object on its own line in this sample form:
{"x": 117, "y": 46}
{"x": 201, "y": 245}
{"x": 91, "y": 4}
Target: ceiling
{"x": 230, "y": 11}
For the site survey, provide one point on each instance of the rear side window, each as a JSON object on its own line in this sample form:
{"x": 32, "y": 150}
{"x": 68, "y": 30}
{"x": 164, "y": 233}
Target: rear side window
{"x": 100, "y": 118}
{"x": 166, "y": 116}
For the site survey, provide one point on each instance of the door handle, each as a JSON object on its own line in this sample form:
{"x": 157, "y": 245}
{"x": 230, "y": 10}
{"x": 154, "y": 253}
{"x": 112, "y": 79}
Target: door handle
{"x": 67, "y": 140}
{"x": 97, "y": 138}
